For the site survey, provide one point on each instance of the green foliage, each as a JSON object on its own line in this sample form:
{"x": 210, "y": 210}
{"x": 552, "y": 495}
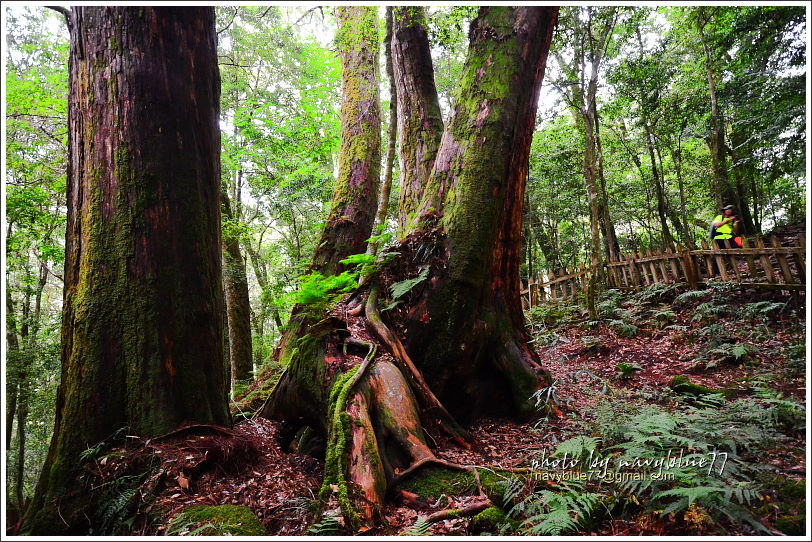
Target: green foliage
{"x": 623, "y": 329}
{"x": 433, "y": 482}
{"x": 733, "y": 353}
{"x": 762, "y": 309}
{"x": 316, "y": 289}
{"x": 708, "y": 311}
{"x": 552, "y": 315}
{"x": 553, "y": 513}
{"x": 664, "y": 318}
{"x": 405, "y": 286}
{"x": 577, "y": 447}
{"x": 627, "y": 370}
{"x": 690, "y": 296}
{"x": 223, "y": 520}
{"x": 421, "y": 527}
{"x": 328, "y": 526}
{"x": 659, "y": 291}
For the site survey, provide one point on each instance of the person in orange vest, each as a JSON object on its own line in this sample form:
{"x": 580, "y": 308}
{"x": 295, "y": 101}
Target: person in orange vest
{"x": 725, "y": 227}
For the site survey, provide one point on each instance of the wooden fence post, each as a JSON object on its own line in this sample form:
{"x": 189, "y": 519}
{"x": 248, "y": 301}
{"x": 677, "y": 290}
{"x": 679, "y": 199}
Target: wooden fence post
{"x": 765, "y": 262}
{"x": 637, "y": 278}
{"x": 690, "y": 268}
{"x": 800, "y": 259}
{"x": 751, "y": 264}
{"x": 782, "y": 261}
{"x": 672, "y": 262}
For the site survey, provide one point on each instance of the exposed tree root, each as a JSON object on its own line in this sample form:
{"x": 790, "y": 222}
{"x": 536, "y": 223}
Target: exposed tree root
{"x": 195, "y": 428}
{"x": 468, "y": 510}
{"x": 427, "y": 397}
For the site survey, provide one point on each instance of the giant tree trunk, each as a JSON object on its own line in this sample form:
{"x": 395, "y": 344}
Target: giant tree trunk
{"x": 352, "y": 377}
{"x": 355, "y": 194}
{"x": 238, "y": 306}
{"x": 466, "y": 330}
{"x": 420, "y": 123}
{"x": 143, "y": 302}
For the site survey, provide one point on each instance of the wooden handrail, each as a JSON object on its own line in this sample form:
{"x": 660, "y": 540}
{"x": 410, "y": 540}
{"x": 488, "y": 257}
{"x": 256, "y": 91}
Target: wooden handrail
{"x": 691, "y": 263}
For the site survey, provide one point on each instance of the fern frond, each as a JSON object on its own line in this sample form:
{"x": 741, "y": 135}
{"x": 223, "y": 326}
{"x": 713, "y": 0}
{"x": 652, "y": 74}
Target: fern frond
{"x": 421, "y": 527}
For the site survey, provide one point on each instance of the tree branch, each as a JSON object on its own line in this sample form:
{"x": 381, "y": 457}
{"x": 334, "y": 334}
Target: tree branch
{"x": 65, "y": 13}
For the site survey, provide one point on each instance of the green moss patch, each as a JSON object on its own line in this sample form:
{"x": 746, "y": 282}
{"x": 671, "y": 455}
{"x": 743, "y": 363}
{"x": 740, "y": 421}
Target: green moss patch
{"x": 217, "y": 520}
{"x": 251, "y": 398}
{"x": 683, "y": 385}
{"x": 432, "y": 482}
{"x": 490, "y": 519}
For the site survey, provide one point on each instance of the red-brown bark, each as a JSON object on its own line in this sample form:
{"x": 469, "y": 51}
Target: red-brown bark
{"x": 143, "y": 302}
{"x": 420, "y": 123}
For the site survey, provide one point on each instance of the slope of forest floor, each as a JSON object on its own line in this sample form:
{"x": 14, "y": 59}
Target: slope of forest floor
{"x": 739, "y": 359}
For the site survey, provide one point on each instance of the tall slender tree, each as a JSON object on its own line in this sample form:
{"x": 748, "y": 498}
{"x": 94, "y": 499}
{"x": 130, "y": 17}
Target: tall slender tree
{"x": 143, "y": 301}
{"x": 238, "y": 307}
{"x": 355, "y": 194}
{"x": 591, "y": 33}
{"x": 420, "y": 123}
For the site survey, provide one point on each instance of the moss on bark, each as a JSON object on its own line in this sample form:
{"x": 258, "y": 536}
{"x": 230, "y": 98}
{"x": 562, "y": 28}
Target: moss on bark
{"x": 142, "y": 317}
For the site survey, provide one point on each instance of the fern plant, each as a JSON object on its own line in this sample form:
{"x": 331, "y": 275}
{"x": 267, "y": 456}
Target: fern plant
{"x": 732, "y": 353}
{"x": 405, "y": 286}
{"x": 421, "y": 527}
{"x": 663, "y": 318}
{"x": 553, "y": 513}
{"x": 627, "y": 370}
{"x": 328, "y": 526}
{"x": 656, "y": 291}
{"x": 762, "y": 309}
{"x": 623, "y": 329}
{"x": 708, "y": 311}
{"x": 690, "y": 296}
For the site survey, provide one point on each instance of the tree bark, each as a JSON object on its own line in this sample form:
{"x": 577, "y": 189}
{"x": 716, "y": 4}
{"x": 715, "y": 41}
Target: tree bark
{"x": 12, "y": 375}
{"x": 462, "y": 339}
{"x": 238, "y": 305}
{"x": 143, "y": 302}
{"x": 420, "y": 122}
{"x": 391, "y": 136}
{"x": 610, "y": 243}
{"x": 466, "y": 331}
{"x": 355, "y": 195}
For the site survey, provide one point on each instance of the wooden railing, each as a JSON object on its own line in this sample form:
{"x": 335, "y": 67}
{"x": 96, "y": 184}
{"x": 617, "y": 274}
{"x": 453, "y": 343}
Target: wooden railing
{"x": 762, "y": 266}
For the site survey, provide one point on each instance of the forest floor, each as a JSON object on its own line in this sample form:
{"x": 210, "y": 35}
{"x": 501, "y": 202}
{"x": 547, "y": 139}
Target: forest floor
{"x": 739, "y": 360}
{"x": 747, "y": 346}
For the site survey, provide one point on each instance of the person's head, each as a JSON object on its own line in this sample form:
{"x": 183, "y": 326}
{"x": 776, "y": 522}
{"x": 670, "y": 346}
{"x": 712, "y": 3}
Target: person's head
{"x": 728, "y": 210}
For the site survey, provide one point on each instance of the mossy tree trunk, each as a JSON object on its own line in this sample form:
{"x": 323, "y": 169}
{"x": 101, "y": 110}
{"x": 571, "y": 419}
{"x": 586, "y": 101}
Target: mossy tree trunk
{"x": 391, "y": 136}
{"x": 420, "y": 122}
{"x": 238, "y": 306}
{"x": 302, "y": 391}
{"x": 465, "y": 340}
{"x": 726, "y": 191}
{"x": 355, "y": 194}
{"x": 466, "y": 332}
{"x": 142, "y": 323}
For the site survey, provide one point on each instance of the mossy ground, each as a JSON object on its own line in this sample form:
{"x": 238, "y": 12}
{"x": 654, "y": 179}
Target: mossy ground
{"x": 250, "y": 398}
{"x": 431, "y": 483}
{"x": 683, "y": 385}
{"x": 226, "y": 519}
